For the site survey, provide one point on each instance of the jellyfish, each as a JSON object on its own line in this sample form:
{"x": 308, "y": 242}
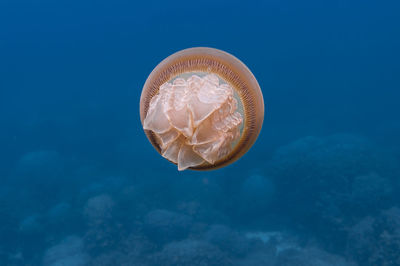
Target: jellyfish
{"x": 201, "y": 108}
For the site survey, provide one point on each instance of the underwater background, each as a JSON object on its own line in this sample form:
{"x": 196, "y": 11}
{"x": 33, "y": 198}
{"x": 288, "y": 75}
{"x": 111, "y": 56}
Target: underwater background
{"x": 82, "y": 185}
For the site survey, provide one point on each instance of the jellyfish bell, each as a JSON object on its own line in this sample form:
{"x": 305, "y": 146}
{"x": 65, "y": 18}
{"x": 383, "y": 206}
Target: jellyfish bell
{"x": 201, "y": 108}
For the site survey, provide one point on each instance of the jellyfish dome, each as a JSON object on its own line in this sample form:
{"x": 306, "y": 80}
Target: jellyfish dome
{"x": 201, "y": 108}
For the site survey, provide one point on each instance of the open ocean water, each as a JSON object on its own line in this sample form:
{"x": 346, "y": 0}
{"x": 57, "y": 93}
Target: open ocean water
{"x": 82, "y": 185}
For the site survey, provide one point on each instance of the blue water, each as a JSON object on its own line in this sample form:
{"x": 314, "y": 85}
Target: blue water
{"x": 81, "y": 184}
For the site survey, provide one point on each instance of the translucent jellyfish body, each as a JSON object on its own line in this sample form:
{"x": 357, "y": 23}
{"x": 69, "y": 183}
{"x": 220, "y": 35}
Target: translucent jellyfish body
{"x": 201, "y": 108}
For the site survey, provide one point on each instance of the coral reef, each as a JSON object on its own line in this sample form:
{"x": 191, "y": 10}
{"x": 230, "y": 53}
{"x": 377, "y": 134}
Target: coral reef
{"x": 68, "y": 252}
{"x": 317, "y": 201}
